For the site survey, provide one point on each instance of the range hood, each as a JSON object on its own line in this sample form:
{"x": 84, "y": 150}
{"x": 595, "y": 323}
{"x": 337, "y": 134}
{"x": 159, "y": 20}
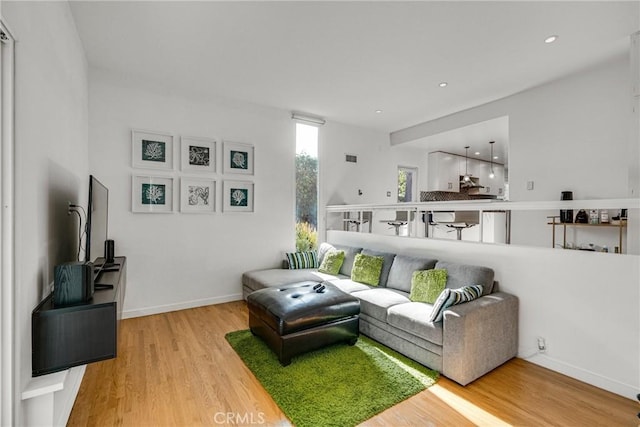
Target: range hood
{"x": 473, "y": 182}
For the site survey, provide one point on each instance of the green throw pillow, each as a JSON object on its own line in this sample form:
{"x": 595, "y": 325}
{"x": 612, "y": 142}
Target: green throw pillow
{"x": 332, "y": 262}
{"x": 426, "y": 285}
{"x": 367, "y": 269}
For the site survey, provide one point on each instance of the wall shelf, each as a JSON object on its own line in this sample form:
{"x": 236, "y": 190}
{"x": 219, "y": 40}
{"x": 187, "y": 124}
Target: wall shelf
{"x": 63, "y": 337}
{"x": 620, "y": 225}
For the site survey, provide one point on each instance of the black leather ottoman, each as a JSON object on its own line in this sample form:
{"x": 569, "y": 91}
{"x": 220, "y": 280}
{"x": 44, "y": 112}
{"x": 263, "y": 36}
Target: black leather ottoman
{"x": 295, "y": 319}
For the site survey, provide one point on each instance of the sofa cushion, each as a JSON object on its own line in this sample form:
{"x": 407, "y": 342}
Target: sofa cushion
{"x": 413, "y": 317}
{"x": 322, "y": 250}
{"x": 450, "y": 297}
{"x": 426, "y": 285}
{"x": 387, "y": 262}
{"x": 297, "y": 260}
{"x": 459, "y": 275}
{"x": 402, "y": 269}
{"x": 366, "y": 269}
{"x": 349, "y": 256}
{"x": 375, "y": 302}
{"x": 260, "y": 279}
{"x": 332, "y": 262}
{"x": 349, "y": 286}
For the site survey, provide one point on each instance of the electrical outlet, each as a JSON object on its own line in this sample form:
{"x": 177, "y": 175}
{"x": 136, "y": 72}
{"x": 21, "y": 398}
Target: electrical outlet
{"x": 388, "y": 193}
{"x": 529, "y": 185}
{"x": 542, "y": 345}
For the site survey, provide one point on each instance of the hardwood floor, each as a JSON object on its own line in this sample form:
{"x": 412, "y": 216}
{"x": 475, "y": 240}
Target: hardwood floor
{"x": 176, "y": 369}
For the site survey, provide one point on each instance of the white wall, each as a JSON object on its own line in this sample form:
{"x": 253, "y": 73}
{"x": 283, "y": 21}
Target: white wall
{"x": 571, "y": 134}
{"x": 181, "y": 260}
{"x": 375, "y": 173}
{"x": 584, "y": 304}
{"x": 51, "y": 130}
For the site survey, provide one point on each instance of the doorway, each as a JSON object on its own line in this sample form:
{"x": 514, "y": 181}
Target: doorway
{"x": 407, "y": 184}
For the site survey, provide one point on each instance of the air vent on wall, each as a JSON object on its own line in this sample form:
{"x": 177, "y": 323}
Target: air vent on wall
{"x": 351, "y": 158}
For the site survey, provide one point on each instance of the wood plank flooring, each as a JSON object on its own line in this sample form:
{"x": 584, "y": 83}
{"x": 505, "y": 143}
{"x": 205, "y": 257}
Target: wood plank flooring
{"x": 176, "y": 369}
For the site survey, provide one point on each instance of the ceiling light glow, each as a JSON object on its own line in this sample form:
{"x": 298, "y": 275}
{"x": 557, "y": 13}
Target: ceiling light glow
{"x": 551, "y": 39}
{"x": 378, "y": 111}
{"x": 443, "y": 84}
{"x": 477, "y": 153}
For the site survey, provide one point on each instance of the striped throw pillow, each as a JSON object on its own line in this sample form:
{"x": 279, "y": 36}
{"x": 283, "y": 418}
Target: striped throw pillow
{"x": 297, "y": 260}
{"x": 451, "y": 297}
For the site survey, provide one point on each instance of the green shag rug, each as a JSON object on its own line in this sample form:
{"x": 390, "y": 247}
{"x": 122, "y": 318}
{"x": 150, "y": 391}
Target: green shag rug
{"x": 340, "y": 385}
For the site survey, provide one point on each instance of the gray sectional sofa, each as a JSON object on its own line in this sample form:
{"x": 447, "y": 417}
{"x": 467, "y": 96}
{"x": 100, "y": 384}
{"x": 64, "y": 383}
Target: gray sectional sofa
{"x": 472, "y": 339}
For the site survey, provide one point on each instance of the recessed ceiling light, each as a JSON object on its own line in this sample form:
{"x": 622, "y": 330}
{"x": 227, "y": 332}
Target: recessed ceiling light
{"x": 477, "y": 153}
{"x": 551, "y": 39}
{"x": 495, "y": 157}
{"x": 443, "y": 84}
{"x": 378, "y": 111}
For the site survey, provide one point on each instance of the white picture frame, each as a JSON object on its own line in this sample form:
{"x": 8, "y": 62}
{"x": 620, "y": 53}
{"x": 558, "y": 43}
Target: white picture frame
{"x": 238, "y": 158}
{"x": 197, "y": 195}
{"x": 152, "y": 194}
{"x": 198, "y": 154}
{"x": 238, "y": 196}
{"x": 151, "y": 150}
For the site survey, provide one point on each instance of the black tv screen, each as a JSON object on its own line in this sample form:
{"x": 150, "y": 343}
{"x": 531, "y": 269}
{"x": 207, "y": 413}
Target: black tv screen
{"x": 97, "y": 220}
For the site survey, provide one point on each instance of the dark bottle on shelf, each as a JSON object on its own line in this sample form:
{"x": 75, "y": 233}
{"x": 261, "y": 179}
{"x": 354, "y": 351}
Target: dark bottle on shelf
{"x": 582, "y": 217}
{"x": 566, "y": 215}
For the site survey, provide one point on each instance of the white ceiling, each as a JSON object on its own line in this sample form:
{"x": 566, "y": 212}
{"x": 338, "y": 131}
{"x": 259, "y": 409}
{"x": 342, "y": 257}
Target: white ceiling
{"x": 475, "y": 136}
{"x": 344, "y": 60}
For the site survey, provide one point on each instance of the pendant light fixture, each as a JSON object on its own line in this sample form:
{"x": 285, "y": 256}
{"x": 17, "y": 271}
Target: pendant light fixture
{"x": 492, "y": 175}
{"x": 466, "y": 177}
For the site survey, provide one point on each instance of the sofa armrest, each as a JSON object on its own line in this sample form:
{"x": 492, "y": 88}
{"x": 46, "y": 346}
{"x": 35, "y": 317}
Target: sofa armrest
{"x": 479, "y": 336}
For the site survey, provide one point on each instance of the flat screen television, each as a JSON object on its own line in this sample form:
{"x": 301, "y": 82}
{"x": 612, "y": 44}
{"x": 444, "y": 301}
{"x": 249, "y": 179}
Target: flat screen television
{"x": 97, "y": 221}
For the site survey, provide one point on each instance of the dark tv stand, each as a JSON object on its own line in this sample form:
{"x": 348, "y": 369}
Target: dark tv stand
{"x": 99, "y": 268}
{"x": 62, "y": 337}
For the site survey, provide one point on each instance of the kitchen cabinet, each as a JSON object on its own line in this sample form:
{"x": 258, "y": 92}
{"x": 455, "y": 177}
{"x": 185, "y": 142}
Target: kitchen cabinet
{"x": 470, "y": 166}
{"x": 445, "y": 169}
{"x": 492, "y": 186}
{"x": 443, "y": 172}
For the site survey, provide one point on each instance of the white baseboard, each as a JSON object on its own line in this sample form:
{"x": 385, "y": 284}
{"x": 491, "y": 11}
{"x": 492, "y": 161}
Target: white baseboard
{"x": 146, "y": 311}
{"x": 626, "y": 390}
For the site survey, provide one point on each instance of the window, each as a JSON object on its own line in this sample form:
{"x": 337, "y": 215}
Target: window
{"x": 407, "y": 183}
{"x": 306, "y": 187}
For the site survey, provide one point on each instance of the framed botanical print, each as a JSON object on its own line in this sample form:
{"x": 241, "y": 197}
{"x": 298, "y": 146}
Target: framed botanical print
{"x": 198, "y": 154}
{"x": 197, "y": 195}
{"x": 152, "y": 194}
{"x": 152, "y": 150}
{"x": 238, "y": 158}
{"x": 237, "y": 196}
